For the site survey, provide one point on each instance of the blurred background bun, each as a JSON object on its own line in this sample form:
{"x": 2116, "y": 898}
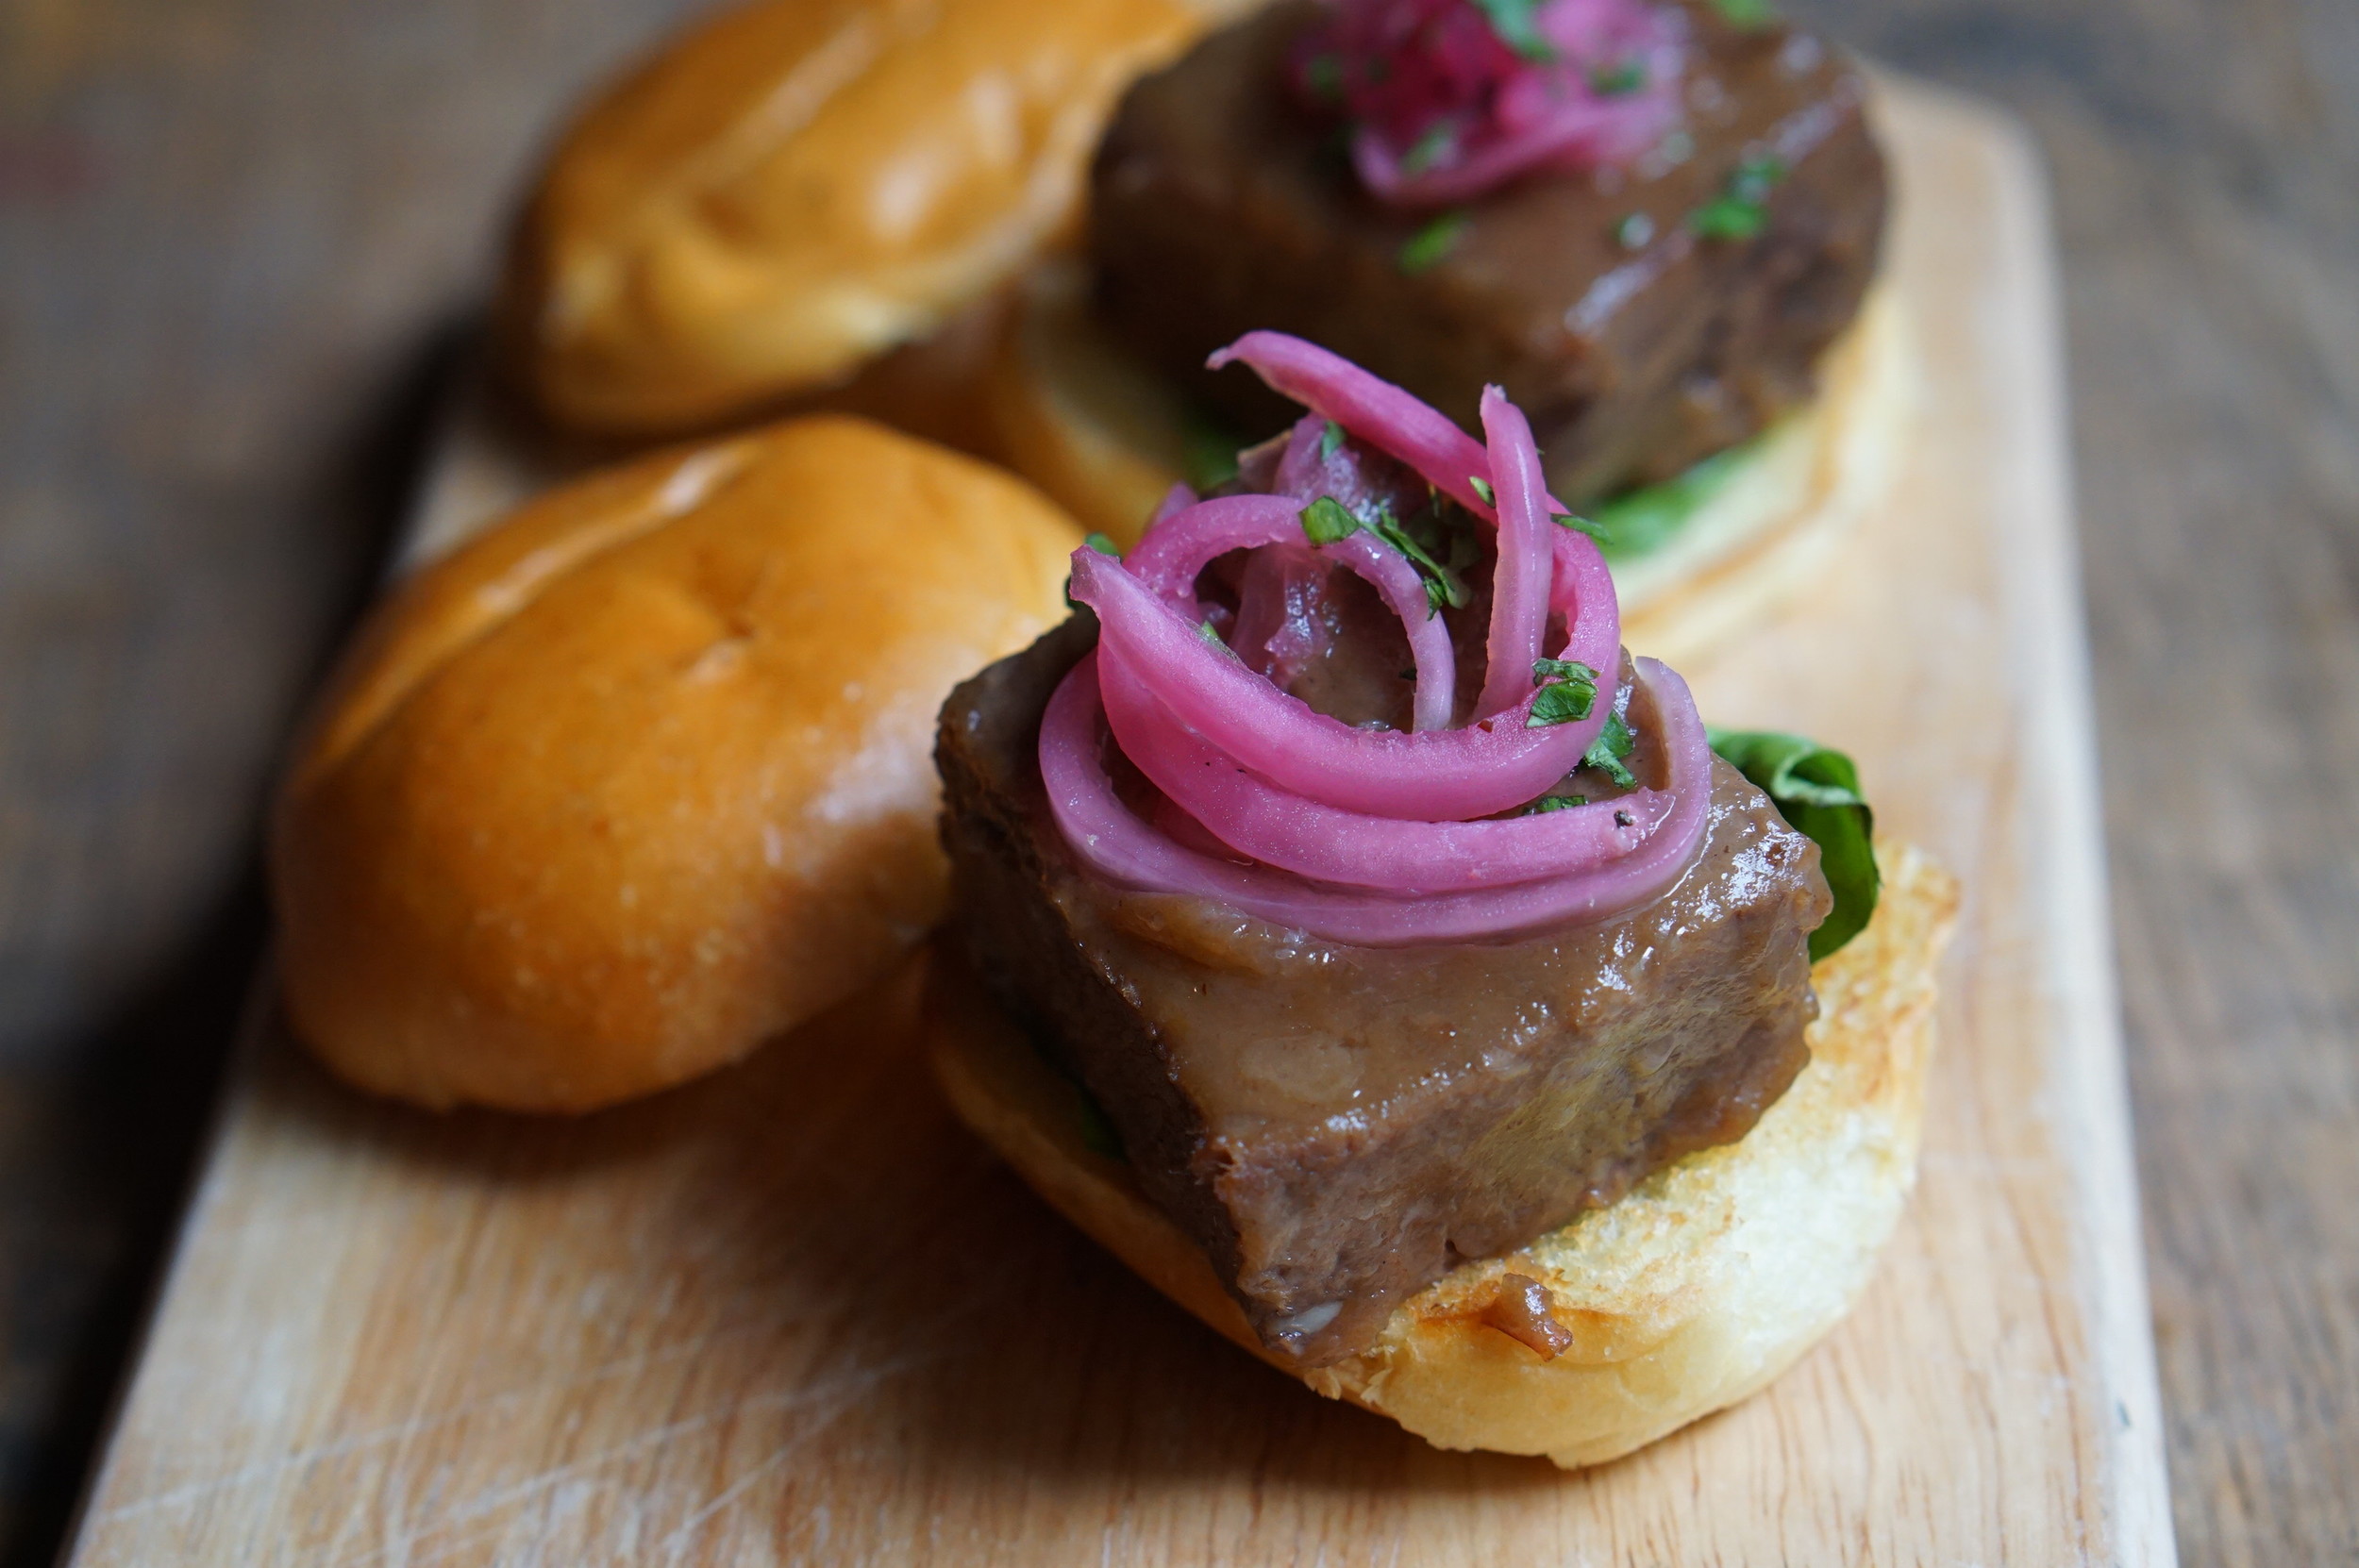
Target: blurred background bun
{"x": 643, "y": 775}
{"x": 790, "y": 188}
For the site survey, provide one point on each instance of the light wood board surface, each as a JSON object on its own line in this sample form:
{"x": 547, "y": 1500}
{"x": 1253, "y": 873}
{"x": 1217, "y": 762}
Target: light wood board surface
{"x": 792, "y": 1314}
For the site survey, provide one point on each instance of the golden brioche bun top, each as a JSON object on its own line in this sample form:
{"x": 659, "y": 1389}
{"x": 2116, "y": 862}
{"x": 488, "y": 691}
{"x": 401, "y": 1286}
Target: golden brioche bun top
{"x": 643, "y": 776}
{"x": 796, "y": 185}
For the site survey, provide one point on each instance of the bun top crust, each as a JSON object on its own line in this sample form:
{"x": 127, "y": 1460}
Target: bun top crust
{"x": 796, "y": 185}
{"x": 643, "y": 776}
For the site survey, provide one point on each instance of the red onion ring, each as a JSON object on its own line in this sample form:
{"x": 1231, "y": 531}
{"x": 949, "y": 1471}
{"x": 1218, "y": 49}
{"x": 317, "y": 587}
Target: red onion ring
{"x": 1493, "y": 766}
{"x": 1114, "y": 845}
{"x": 1365, "y": 835}
{"x": 1370, "y": 407}
{"x": 1330, "y": 845}
{"x": 1169, "y": 559}
{"x": 1443, "y": 109}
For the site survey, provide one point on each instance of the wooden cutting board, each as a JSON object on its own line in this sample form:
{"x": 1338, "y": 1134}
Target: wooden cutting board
{"x": 795, "y": 1314}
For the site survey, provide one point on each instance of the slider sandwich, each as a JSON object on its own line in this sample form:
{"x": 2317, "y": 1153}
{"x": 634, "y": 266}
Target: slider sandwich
{"x": 1351, "y": 936}
{"x": 1656, "y": 225}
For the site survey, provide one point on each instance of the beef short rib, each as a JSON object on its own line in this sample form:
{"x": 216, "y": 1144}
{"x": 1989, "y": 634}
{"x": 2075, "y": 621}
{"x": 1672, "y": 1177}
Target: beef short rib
{"x": 1339, "y": 1127}
{"x": 1636, "y": 344}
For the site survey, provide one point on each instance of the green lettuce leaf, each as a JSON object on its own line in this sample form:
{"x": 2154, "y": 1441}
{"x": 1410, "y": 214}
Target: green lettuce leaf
{"x": 1818, "y": 792}
{"x": 1637, "y": 521}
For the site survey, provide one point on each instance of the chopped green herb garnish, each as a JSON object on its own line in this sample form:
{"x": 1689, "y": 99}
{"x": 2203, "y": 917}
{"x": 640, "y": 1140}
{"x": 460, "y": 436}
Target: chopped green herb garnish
{"x": 1728, "y": 218}
{"x": 1444, "y": 586}
{"x": 1330, "y": 439}
{"x": 1563, "y": 702}
{"x": 1568, "y": 690}
{"x": 1580, "y": 524}
{"x": 1212, "y": 635}
{"x": 1482, "y": 487}
{"x": 1749, "y": 14}
{"x": 1634, "y": 232}
{"x": 1324, "y": 76}
{"x": 1546, "y": 803}
{"x": 1429, "y": 245}
{"x": 1513, "y": 20}
{"x": 1434, "y": 146}
{"x": 1326, "y": 520}
{"x": 1818, "y": 792}
{"x": 1618, "y": 81}
{"x": 1614, "y": 742}
{"x": 1741, "y": 210}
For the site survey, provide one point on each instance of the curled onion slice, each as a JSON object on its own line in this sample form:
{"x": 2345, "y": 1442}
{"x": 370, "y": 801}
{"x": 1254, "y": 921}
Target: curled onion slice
{"x": 1117, "y": 845}
{"x": 1449, "y": 100}
{"x": 1493, "y": 766}
{"x": 1328, "y": 844}
{"x": 1168, "y": 560}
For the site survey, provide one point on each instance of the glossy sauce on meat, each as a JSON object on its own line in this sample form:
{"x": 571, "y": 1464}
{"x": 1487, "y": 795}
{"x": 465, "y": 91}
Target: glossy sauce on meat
{"x": 1636, "y": 345}
{"x": 1338, "y": 1126}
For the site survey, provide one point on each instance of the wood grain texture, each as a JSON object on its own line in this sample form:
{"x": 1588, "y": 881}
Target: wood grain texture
{"x": 793, "y": 1314}
{"x": 2206, "y": 158}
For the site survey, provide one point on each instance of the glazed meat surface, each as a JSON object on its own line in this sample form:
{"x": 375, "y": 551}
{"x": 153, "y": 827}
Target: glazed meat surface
{"x": 1636, "y": 346}
{"x": 1339, "y": 1127}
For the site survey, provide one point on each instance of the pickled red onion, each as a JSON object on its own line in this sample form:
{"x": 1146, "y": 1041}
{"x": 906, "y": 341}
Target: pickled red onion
{"x": 1354, "y": 834}
{"x": 1173, "y": 552}
{"x": 1113, "y": 843}
{"x": 1445, "y": 107}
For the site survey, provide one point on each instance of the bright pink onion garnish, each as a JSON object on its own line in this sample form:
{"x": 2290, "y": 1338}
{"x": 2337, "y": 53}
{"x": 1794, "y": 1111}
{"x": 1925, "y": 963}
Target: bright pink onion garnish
{"x": 1365, "y": 835}
{"x": 1168, "y": 560}
{"x": 1450, "y": 99}
{"x": 1115, "y": 845}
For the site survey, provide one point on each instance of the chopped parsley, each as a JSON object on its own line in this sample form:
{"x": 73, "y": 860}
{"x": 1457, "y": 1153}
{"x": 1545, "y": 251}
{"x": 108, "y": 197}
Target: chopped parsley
{"x": 1546, "y": 803}
{"x": 1439, "y": 553}
{"x": 1426, "y": 248}
{"x": 1579, "y": 525}
{"x": 1618, "y": 81}
{"x": 1747, "y": 14}
{"x": 1482, "y": 487}
{"x": 1818, "y": 792}
{"x": 1435, "y": 146}
{"x": 1567, "y": 692}
{"x": 1212, "y": 635}
{"x": 1103, "y": 546}
{"x": 1330, "y": 439}
{"x": 1326, "y": 520}
{"x": 1634, "y": 232}
{"x": 1741, "y": 210}
{"x": 1515, "y": 23}
{"x": 1444, "y": 586}
{"x": 1614, "y": 742}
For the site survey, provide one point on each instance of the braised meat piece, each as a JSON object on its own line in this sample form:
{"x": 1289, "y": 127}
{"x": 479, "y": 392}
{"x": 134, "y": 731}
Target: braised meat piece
{"x": 1644, "y": 317}
{"x": 1339, "y": 1127}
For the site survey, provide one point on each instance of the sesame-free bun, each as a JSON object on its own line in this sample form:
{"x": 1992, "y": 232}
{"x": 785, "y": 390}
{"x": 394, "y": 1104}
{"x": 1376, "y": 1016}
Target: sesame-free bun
{"x": 643, "y": 775}
{"x": 789, "y": 187}
{"x": 1081, "y": 417}
{"x": 1693, "y": 1292}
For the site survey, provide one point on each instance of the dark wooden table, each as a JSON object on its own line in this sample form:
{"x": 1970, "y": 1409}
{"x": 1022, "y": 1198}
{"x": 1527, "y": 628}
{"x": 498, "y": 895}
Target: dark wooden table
{"x": 235, "y": 239}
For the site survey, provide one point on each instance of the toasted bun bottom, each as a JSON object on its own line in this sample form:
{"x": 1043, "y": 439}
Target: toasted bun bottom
{"x": 1083, "y": 419}
{"x": 1692, "y": 1293}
